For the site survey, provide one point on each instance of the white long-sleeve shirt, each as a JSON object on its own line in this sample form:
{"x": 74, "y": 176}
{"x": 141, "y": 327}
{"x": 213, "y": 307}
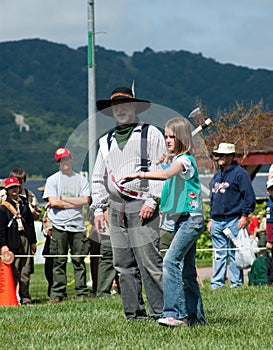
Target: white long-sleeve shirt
{"x": 119, "y": 163}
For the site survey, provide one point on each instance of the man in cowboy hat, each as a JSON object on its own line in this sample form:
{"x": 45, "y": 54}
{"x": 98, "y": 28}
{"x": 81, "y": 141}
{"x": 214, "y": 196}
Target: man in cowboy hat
{"x": 133, "y": 211}
{"x": 232, "y": 200}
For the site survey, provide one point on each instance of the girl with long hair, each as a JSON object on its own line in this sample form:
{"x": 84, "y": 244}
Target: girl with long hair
{"x": 180, "y": 201}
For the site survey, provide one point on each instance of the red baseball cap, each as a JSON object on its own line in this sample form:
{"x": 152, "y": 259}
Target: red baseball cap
{"x": 62, "y": 153}
{"x": 11, "y": 182}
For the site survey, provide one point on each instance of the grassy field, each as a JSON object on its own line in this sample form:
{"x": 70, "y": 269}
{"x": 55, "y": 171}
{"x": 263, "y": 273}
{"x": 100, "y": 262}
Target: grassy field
{"x": 239, "y": 318}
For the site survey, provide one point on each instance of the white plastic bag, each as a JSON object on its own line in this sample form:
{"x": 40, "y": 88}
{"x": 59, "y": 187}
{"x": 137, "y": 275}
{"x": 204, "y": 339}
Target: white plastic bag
{"x": 245, "y": 256}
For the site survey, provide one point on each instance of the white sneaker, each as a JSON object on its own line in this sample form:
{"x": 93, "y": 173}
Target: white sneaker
{"x": 172, "y": 322}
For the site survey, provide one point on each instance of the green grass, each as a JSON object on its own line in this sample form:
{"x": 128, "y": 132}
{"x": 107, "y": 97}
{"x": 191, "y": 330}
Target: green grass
{"x": 237, "y": 319}
{"x": 204, "y": 263}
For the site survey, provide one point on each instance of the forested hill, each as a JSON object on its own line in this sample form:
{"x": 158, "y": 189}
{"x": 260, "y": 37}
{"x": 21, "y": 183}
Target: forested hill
{"x": 46, "y": 83}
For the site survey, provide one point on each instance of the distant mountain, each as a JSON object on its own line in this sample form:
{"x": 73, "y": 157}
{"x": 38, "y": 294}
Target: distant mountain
{"x": 45, "y": 84}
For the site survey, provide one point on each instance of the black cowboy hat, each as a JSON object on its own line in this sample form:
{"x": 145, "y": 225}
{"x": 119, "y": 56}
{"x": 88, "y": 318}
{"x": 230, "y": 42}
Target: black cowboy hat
{"x": 122, "y": 95}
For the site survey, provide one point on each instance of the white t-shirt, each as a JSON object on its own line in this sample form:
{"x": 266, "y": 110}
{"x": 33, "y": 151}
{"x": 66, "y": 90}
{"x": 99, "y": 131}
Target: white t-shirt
{"x": 60, "y": 185}
{"x": 189, "y": 169}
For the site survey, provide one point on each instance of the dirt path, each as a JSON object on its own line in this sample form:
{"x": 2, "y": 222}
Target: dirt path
{"x": 206, "y": 273}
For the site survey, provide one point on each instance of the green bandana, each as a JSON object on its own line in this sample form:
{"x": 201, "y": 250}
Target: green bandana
{"x": 123, "y": 133}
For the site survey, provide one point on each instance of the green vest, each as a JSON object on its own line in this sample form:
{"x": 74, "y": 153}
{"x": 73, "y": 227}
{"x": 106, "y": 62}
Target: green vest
{"x": 182, "y": 195}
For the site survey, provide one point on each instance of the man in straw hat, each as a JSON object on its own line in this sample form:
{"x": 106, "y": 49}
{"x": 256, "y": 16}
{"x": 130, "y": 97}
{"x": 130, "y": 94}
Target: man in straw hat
{"x": 232, "y": 200}
{"x": 133, "y": 211}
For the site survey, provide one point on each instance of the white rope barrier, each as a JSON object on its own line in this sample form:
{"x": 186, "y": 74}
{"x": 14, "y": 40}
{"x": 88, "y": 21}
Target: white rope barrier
{"x": 221, "y": 249}
{"x": 100, "y": 256}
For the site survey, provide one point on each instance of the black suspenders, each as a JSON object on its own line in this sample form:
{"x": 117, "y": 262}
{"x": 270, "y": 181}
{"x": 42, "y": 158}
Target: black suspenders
{"x": 143, "y": 150}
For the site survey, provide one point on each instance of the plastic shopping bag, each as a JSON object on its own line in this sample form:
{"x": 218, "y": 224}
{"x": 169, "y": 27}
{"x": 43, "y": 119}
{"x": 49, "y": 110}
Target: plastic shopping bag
{"x": 245, "y": 256}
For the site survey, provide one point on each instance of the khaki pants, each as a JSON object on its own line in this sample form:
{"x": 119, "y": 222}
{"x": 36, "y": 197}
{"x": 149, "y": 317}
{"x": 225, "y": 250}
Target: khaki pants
{"x": 22, "y": 269}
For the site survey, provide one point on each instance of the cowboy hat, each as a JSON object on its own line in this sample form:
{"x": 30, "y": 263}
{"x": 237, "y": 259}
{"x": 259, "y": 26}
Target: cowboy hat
{"x": 122, "y": 95}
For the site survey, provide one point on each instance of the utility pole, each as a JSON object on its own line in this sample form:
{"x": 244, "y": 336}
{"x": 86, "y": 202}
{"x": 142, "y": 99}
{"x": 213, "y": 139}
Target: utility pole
{"x": 92, "y": 127}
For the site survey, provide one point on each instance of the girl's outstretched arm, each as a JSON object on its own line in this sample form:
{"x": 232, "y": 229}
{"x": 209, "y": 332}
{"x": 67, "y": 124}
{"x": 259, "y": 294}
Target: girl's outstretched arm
{"x": 163, "y": 174}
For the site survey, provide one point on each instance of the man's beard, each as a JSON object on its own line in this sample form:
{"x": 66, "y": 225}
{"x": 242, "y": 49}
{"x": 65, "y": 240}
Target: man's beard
{"x": 124, "y": 119}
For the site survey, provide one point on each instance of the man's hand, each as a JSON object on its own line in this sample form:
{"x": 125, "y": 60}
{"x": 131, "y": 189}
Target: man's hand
{"x": 100, "y": 223}
{"x": 146, "y": 212}
{"x": 4, "y": 249}
{"x": 164, "y": 158}
{"x": 8, "y": 257}
{"x": 209, "y": 226}
{"x": 242, "y": 223}
{"x": 269, "y": 245}
{"x": 33, "y": 248}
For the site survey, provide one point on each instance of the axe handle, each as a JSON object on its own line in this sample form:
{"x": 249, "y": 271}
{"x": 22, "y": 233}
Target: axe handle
{"x": 201, "y": 127}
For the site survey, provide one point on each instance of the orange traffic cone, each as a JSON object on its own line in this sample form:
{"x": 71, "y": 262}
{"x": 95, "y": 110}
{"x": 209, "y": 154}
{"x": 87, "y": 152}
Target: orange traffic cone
{"x": 7, "y": 288}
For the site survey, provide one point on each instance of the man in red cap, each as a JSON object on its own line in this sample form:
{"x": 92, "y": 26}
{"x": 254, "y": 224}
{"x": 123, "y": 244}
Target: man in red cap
{"x": 67, "y": 192}
{"x": 17, "y": 233}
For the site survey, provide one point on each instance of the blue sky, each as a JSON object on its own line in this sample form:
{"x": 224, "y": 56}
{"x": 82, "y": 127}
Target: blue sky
{"x": 234, "y": 31}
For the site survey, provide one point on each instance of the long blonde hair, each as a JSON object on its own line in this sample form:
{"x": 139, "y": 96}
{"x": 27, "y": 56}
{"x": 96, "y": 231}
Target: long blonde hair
{"x": 181, "y": 129}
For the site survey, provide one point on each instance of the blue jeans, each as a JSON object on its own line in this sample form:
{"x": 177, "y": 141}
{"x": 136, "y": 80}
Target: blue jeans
{"x": 182, "y": 298}
{"x": 220, "y": 260}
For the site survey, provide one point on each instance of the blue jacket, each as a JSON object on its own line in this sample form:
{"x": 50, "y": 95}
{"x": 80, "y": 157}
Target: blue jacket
{"x": 232, "y": 193}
